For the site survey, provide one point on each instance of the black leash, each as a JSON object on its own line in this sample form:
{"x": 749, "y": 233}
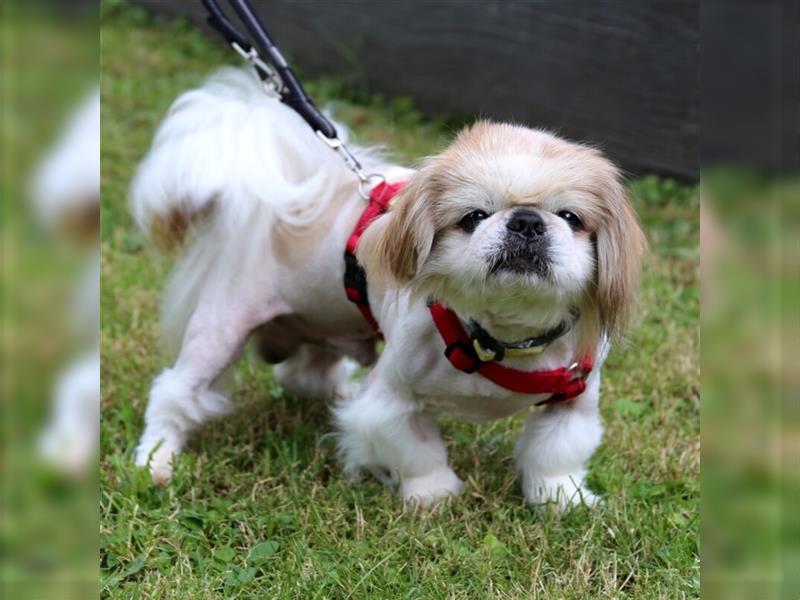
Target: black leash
{"x": 279, "y": 78}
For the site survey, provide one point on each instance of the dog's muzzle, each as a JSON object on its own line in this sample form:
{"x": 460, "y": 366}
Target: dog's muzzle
{"x": 525, "y": 247}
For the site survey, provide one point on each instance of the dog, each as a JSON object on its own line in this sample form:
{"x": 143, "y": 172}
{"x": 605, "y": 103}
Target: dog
{"x": 514, "y": 234}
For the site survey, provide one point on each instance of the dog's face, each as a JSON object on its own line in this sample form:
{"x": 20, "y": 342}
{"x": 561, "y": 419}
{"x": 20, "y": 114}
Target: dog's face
{"x": 509, "y": 221}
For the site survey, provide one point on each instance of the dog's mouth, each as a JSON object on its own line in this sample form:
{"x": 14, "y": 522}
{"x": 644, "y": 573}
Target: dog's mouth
{"x": 522, "y": 259}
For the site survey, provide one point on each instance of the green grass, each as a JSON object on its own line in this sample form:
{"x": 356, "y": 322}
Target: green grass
{"x": 258, "y": 507}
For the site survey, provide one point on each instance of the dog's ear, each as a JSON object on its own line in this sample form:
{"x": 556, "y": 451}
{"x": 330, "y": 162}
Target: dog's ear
{"x": 396, "y": 245}
{"x": 620, "y": 246}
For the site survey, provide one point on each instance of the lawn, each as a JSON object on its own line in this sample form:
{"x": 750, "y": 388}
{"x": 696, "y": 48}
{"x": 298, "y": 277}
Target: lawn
{"x": 258, "y": 507}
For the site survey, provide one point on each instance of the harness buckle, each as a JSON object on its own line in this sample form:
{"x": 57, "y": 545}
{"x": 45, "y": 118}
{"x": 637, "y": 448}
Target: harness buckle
{"x": 486, "y": 354}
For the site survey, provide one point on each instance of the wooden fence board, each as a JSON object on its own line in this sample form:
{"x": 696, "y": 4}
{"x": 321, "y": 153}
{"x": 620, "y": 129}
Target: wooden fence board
{"x": 622, "y": 75}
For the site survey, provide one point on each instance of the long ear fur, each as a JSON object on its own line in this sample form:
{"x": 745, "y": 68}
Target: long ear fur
{"x": 396, "y": 245}
{"x": 620, "y": 246}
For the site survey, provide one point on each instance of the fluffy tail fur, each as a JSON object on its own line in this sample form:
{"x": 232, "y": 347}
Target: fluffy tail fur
{"x": 225, "y": 150}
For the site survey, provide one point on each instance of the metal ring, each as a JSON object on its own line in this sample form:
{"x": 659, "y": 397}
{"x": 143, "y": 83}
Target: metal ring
{"x": 362, "y": 185}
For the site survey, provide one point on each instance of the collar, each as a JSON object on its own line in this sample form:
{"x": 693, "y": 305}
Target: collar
{"x": 490, "y": 348}
{"x": 563, "y": 383}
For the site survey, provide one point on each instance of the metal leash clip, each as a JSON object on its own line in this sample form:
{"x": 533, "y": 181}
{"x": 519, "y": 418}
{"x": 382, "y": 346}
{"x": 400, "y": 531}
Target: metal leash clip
{"x": 269, "y": 78}
{"x": 278, "y": 78}
{"x": 364, "y": 180}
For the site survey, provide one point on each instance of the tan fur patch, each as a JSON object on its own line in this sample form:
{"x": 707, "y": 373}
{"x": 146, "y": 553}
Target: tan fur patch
{"x": 169, "y": 232}
{"x": 396, "y": 244}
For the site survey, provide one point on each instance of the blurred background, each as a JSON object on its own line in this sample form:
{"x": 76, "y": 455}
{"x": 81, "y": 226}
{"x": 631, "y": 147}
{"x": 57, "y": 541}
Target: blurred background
{"x": 50, "y": 213}
{"x": 750, "y": 157}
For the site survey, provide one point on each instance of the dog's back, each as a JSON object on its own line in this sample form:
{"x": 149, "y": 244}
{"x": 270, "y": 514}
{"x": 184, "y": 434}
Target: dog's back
{"x": 228, "y": 165}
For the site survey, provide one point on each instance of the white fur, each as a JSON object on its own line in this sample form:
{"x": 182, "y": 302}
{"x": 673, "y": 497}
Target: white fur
{"x": 230, "y": 144}
{"x": 234, "y": 146}
{"x": 382, "y": 428}
{"x": 552, "y": 451}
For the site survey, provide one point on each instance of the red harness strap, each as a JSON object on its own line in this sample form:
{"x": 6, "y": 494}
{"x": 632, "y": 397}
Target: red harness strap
{"x": 563, "y": 383}
{"x": 355, "y": 280}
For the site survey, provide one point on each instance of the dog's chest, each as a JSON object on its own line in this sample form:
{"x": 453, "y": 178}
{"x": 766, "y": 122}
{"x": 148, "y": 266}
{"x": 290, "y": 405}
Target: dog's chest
{"x": 440, "y": 387}
{"x": 415, "y": 359}
{"x": 477, "y": 407}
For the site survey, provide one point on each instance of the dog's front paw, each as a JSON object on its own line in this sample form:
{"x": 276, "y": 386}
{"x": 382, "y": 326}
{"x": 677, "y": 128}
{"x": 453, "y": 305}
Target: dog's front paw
{"x": 563, "y": 491}
{"x": 158, "y": 457}
{"x": 429, "y": 489}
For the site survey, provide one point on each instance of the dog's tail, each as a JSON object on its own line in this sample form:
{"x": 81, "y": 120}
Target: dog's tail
{"x": 226, "y": 150}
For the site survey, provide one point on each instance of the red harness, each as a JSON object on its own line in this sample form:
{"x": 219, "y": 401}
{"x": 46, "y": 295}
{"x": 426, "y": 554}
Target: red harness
{"x": 563, "y": 383}
{"x": 355, "y": 279}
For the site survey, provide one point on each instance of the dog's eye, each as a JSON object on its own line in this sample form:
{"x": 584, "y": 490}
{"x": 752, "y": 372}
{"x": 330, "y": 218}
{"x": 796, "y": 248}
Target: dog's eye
{"x": 571, "y": 218}
{"x": 470, "y": 221}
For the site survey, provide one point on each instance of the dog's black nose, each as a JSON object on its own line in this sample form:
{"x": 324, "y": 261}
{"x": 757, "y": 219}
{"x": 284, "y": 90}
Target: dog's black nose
{"x": 526, "y": 222}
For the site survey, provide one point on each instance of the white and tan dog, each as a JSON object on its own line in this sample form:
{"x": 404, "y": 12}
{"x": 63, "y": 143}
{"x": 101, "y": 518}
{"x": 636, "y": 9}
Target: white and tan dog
{"x": 512, "y": 228}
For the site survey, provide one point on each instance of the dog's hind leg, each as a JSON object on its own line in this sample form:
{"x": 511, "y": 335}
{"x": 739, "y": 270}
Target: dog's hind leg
{"x": 316, "y": 372}
{"x": 194, "y": 390}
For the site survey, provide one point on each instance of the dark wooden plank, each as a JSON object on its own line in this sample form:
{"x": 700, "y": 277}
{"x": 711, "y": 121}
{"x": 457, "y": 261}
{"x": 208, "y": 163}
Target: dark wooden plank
{"x": 622, "y": 75}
